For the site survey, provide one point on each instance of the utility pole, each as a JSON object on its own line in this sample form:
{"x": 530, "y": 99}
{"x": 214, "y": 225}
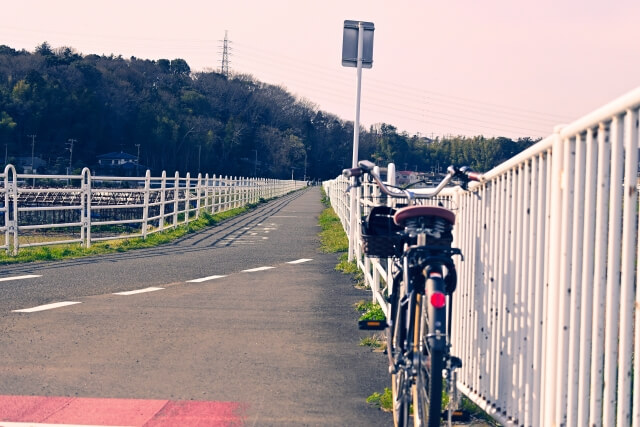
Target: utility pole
{"x": 255, "y": 165}
{"x": 33, "y": 144}
{"x": 305, "y": 166}
{"x": 224, "y": 68}
{"x": 137, "y": 159}
{"x": 70, "y": 148}
{"x": 199, "y": 151}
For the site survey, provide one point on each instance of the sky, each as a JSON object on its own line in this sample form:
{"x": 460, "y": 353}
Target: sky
{"x": 459, "y": 67}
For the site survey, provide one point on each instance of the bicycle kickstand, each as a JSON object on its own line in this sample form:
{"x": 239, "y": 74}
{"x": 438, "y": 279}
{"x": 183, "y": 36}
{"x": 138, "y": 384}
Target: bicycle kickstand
{"x": 453, "y": 412}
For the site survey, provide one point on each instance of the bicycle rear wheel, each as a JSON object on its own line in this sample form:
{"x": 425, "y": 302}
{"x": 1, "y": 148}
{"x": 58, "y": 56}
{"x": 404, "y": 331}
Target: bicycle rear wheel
{"x": 401, "y": 401}
{"x": 427, "y": 390}
{"x": 400, "y": 381}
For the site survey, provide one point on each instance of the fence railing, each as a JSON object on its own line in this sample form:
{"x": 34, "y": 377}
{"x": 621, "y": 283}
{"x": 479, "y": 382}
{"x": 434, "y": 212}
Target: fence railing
{"x": 38, "y": 210}
{"x": 547, "y": 310}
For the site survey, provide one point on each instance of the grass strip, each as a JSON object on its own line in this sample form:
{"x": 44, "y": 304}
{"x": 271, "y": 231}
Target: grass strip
{"x": 66, "y": 251}
{"x": 333, "y": 239}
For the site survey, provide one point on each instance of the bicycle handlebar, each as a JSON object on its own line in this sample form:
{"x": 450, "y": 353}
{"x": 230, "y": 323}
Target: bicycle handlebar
{"x": 365, "y": 166}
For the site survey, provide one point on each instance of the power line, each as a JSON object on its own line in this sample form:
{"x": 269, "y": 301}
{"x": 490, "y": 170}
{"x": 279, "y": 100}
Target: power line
{"x": 498, "y": 116}
{"x": 295, "y": 62}
{"x": 392, "y": 105}
{"x": 423, "y": 106}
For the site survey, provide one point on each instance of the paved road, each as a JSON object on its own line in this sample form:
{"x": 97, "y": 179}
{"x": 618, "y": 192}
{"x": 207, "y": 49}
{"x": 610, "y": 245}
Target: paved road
{"x": 248, "y": 313}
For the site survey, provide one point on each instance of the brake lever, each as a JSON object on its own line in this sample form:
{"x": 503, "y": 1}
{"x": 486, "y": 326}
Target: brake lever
{"x": 357, "y": 183}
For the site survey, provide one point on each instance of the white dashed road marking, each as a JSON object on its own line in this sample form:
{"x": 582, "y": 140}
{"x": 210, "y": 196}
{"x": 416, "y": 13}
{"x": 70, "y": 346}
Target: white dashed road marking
{"x": 46, "y": 307}
{"x": 134, "y": 292}
{"x": 138, "y": 291}
{"x": 27, "y": 276}
{"x": 251, "y": 270}
{"x": 204, "y": 279}
{"x": 300, "y": 261}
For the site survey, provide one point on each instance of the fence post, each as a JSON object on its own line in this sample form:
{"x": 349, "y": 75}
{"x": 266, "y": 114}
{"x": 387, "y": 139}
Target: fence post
{"x": 612, "y": 308}
{"x": 145, "y": 209}
{"x": 163, "y": 188}
{"x": 206, "y": 191}
{"x": 225, "y": 194}
{"x": 85, "y": 230}
{"x": 551, "y": 334}
{"x": 391, "y": 180}
{"x": 187, "y": 198}
{"x": 198, "y": 194}
{"x": 5, "y": 208}
{"x": 176, "y": 198}
{"x": 236, "y": 192}
{"x": 628, "y": 293}
{"x": 11, "y": 206}
{"x": 215, "y": 189}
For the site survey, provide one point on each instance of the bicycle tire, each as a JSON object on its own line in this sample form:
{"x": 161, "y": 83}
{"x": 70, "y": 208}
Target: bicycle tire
{"x": 400, "y": 392}
{"x": 427, "y": 390}
{"x": 401, "y": 402}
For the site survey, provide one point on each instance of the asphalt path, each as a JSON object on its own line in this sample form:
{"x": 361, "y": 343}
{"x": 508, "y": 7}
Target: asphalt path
{"x": 248, "y": 311}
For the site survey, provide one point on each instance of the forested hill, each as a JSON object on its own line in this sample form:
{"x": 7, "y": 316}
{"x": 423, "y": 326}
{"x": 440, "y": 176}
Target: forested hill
{"x": 189, "y": 122}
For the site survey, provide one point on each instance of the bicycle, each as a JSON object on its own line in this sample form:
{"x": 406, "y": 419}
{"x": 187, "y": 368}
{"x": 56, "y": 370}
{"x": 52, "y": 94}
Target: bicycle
{"x": 418, "y": 239}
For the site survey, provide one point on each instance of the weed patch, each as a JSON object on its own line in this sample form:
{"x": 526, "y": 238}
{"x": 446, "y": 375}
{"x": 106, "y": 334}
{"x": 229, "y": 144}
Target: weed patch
{"x": 376, "y": 342}
{"x": 370, "y": 311}
{"x": 383, "y": 400}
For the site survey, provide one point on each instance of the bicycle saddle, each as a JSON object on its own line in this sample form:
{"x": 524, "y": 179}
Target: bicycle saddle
{"x": 414, "y": 211}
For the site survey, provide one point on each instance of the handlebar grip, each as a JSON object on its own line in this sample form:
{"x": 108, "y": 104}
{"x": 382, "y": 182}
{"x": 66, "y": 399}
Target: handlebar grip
{"x": 348, "y": 173}
{"x": 366, "y": 165}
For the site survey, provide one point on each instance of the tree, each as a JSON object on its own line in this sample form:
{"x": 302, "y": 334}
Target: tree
{"x": 180, "y": 67}
{"x": 182, "y": 119}
{"x": 7, "y": 126}
{"x": 44, "y": 49}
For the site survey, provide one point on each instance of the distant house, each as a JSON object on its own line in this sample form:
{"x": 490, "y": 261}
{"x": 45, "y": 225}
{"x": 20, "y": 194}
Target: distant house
{"x": 116, "y": 159}
{"x": 24, "y": 163}
{"x": 404, "y": 178}
{"x": 119, "y": 163}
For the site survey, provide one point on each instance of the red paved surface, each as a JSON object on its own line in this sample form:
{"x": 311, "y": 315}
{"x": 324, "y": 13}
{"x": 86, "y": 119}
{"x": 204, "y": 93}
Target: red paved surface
{"x": 118, "y": 412}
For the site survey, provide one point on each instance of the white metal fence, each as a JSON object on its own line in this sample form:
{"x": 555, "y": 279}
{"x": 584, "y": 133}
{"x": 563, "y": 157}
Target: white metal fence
{"x": 547, "y": 311}
{"x": 85, "y": 208}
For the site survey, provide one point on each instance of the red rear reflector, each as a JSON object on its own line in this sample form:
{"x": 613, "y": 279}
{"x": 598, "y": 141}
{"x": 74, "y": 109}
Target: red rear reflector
{"x": 438, "y": 299}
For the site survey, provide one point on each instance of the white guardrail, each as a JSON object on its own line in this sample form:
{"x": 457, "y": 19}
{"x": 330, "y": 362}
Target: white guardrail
{"x": 85, "y": 208}
{"x": 547, "y": 309}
